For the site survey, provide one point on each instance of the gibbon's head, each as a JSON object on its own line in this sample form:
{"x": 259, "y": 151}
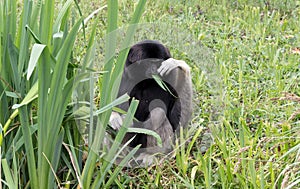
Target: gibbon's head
{"x": 147, "y": 49}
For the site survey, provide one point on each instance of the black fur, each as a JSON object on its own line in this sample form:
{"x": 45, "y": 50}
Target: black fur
{"x": 147, "y": 49}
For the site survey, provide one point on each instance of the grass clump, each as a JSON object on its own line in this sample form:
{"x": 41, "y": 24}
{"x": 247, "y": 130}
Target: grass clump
{"x": 41, "y": 145}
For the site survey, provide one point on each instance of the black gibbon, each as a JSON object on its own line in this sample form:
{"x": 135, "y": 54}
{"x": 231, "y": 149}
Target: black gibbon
{"x": 160, "y": 109}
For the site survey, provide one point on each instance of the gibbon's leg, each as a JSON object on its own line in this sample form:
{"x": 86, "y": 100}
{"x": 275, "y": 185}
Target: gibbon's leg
{"x": 159, "y": 123}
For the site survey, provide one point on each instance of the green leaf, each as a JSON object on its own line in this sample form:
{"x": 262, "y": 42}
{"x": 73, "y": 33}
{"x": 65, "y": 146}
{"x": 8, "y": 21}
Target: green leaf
{"x": 56, "y": 155}
{"x": 61, "y": 14}
{"x": 8, "y": 175}
{"x": 162, "y": 84}
{"x": 13, "y": 53}
{"x": 3, "y": 104}
{"x": 23, "y": 37}
{"x": 36, "y": 52}
{"x": 31, "y": 95}
{"x": 159, "y": 81}
{"x": 12, "y": 94}
{"x": 147, "y": 132}
{"x": 109, "y": 106}
{"x": 29, "y": 147}
{"x": 35, "y": 37}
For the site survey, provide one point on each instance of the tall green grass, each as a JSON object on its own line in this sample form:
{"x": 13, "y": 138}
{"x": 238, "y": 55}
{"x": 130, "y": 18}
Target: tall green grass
{"x": 41, "y": 147}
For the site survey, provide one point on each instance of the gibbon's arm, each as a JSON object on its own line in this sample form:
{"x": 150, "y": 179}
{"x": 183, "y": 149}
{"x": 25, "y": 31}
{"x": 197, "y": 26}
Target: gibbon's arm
{"x": 177, "y": 73}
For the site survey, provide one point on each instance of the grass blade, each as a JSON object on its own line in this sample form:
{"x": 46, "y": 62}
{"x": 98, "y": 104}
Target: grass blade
{"x": 29, "y": 147}
{"x": 36, "y": 52}
{"x": 146, "y": 132}
{"x": 61, "y": 14}
{"x": 10, "y": 182}
{"x": 13, "y": 53}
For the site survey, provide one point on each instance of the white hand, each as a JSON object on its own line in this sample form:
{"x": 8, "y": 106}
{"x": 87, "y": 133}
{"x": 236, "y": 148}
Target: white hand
{"x": 167, "y": 66}
{"x": 115, "y": 121}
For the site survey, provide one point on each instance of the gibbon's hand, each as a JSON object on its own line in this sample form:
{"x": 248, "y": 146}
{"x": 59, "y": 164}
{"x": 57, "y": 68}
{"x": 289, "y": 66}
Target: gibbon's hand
{"x": 168, "y": 65}
{"x": 115, "y": 121}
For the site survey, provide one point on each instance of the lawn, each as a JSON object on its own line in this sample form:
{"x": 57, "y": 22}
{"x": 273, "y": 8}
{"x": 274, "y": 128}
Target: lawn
{"x": 57, "y": 90}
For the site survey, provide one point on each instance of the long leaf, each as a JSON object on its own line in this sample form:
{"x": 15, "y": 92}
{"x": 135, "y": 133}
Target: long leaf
{"x": 8, "y": 175}
{"x": 110, "y": 47}
{"x": 61, "y": 14}
{"x": 56, "y": 156}
{"x": 59, "y": 73}
{"x": 44, "y": 79}
{"x": 29, "y": 147}
{"x": 46, "y": 22}
{"x": 80, "y": 112}
{"x": 13, "y": 57}
{"x": 3, "y": 104}
{"x": 114, "y": 86}
{"x": 23, "y": 40}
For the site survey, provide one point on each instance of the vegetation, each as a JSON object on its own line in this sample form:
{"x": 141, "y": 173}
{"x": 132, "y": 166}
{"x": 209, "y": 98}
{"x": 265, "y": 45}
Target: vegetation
{"x": 59, "y": 72}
